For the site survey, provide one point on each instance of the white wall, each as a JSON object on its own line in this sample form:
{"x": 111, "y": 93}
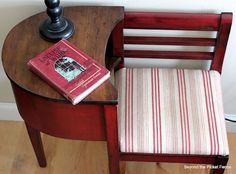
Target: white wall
{"x": 13, "y": 11}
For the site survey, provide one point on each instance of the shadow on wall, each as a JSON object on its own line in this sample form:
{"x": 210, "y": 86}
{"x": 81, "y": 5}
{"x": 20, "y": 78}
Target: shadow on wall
{"x": 9, "y": 17}
{"x": 12, "y": 15}
{"x": 6, "y": 91}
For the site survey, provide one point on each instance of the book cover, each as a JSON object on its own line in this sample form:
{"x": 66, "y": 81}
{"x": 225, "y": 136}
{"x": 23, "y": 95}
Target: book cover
{"x": 70, "y": 71}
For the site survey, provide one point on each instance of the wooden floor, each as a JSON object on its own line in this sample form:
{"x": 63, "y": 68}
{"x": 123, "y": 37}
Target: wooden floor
{"x": 78, "y": 157}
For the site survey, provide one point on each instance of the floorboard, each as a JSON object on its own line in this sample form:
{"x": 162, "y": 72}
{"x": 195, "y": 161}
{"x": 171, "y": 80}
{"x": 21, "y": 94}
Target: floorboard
{"x": 73, "y": 157}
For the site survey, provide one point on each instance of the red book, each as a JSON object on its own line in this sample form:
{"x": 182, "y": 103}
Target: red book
{"x": 70, "y": 71}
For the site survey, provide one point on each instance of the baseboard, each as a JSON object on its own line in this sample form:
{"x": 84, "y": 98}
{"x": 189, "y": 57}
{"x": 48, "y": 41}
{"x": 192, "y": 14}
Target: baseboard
{"x": 8, "y": 111}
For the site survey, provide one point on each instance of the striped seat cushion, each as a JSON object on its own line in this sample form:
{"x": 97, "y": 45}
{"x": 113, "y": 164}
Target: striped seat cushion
{"x": 171, "y": 111}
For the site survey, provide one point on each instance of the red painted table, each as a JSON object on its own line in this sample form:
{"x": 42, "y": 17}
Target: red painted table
{"x": 41, "y": 107}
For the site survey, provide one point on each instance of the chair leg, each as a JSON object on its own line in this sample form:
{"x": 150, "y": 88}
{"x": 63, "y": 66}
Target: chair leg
{"x": 112, "y": 139}
{"x": 220, "y": 164}
{"x": 36, "y": 142}
{"x": 114, "y": 167}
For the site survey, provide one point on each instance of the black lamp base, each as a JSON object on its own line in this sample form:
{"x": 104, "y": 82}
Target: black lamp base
{"x": 56, "y": 27}
{"x": 54, "y": 32}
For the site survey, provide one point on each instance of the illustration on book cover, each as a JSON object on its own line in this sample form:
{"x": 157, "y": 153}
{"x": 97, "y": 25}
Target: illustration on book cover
{"x": 68, "y": 68}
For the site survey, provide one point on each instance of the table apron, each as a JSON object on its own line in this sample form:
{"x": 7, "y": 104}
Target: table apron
{"x": 61, "y": 119}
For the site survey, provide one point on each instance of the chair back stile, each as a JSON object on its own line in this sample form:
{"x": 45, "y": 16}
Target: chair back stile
{"x": 220, "y": 23}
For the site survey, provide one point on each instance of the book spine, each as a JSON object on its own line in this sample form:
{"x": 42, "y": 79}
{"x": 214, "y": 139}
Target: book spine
{"x": 50, "y": 81}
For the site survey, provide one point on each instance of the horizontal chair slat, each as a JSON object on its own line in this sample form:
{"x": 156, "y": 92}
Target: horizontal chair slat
{"x": 172, "y": 21}
{"x": 169, "y": 41}
{"x": 169, "y": 54}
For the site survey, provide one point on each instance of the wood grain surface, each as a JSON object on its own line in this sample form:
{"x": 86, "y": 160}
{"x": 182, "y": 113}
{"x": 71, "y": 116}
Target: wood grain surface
{"x": 93, "y": 26}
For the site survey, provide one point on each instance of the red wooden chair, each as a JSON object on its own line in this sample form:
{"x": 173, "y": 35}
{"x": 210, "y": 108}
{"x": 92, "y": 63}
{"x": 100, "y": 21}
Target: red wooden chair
{"x": 169, "y": 115}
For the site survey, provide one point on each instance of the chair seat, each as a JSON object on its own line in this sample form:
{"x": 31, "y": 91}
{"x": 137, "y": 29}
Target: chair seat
{"x": 170, "y": 111}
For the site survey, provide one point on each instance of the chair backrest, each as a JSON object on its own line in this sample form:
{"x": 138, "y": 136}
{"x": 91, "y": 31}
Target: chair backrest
{"x": 221, "y": 23}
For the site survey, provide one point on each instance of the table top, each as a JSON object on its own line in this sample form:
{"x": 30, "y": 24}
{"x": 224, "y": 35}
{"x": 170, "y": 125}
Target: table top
{"x": 93, "y": 26}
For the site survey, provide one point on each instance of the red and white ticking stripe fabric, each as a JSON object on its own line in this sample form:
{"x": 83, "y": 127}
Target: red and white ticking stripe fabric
{"x": 171, "y": 111}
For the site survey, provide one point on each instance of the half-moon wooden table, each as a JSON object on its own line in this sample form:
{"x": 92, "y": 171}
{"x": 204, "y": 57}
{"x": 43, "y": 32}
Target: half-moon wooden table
{"x": 42, "y": 108}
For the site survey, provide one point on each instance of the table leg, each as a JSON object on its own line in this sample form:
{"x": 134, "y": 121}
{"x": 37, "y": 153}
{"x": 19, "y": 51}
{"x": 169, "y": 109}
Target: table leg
{"x": 36, "y": 142}
{"x": 112, "y": 139}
